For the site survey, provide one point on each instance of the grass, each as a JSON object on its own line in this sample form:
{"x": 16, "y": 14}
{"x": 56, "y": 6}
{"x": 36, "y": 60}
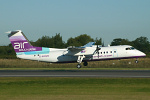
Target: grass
{"x": 36, "y": 88}
{"x": 109, "y": 64}
{"x": 74, "y": 88}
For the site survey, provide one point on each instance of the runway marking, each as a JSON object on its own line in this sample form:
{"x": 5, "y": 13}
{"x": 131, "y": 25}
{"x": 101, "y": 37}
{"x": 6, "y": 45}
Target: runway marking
{"x": 74, "y": 73}
{"x": 74, "y": 76}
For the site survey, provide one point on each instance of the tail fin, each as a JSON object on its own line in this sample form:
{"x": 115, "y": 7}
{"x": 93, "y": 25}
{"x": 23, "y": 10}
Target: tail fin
{"x": 20, "y": 43}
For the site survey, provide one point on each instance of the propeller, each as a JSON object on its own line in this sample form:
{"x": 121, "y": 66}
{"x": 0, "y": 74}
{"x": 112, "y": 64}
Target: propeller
{"x": 97, "y": 50}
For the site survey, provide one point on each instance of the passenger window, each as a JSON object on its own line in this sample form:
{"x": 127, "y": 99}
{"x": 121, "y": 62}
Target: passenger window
{"x": 107, "y": 52}
{"x": 114, "y": 51}
{"x": 110, "y": 51}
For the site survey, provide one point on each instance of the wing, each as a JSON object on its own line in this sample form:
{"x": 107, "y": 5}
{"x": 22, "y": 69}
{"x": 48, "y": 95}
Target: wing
{"x": 76, "y": 51}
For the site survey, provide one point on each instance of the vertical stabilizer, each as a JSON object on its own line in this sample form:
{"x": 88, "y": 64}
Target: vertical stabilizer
{"x": 20, "y": 43}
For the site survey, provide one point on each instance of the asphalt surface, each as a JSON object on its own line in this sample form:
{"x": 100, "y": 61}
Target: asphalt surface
{"x": 77, "y": 73}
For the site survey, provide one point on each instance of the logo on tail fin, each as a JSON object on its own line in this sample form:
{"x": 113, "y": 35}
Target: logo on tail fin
{"x": 21, "y": 43}
{"x": 23, "y": 47}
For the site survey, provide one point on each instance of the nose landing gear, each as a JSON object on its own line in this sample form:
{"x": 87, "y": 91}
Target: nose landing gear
{"x": 136, "y": 61}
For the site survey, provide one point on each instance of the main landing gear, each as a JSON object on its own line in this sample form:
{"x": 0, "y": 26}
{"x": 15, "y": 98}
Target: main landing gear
{"x": 80, "y": 58}
{"x": 79, "y": 65}
{"x": 85, "y": 63}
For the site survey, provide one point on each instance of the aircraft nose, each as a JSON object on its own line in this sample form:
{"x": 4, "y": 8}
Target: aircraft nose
{"x": 142, "y": 54}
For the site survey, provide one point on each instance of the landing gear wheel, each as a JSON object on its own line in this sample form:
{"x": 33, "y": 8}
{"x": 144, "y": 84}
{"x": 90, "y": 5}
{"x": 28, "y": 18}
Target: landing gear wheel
{"x": 136, "y": 61}
{"x": 78, "y": 66}
{"x": 85, "y": 63}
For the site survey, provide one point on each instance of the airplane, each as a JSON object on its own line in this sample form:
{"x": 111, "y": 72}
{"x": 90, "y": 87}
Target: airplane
{"x": 88, "y": 52}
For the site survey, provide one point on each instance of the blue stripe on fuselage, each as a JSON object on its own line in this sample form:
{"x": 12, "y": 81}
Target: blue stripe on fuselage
{"x": 44, "y": 51}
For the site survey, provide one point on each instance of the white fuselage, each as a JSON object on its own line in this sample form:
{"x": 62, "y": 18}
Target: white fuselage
{"x": 105, "y": 53}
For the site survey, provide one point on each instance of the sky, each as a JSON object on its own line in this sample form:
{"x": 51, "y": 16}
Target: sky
{"x": 106, "y": 19}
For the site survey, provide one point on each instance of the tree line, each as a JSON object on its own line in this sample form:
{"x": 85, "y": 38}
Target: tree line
{"x": 56, "y": 41}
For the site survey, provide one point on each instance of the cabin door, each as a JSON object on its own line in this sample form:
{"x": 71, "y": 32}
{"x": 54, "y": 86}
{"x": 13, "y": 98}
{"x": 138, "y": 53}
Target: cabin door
{"x": 115, "y": 53}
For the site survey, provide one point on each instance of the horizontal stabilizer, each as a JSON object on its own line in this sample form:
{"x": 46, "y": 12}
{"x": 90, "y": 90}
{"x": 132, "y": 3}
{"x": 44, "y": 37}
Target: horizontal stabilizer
{"x": 89, "y": 44}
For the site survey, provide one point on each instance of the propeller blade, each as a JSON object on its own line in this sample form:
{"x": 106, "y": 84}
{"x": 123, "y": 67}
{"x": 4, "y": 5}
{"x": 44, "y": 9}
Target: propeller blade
{"x": 97, "y": 50}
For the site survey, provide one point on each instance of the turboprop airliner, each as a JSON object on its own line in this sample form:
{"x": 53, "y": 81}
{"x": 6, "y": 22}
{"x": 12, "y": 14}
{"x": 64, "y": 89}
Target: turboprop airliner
{"x": 88, "y": 52}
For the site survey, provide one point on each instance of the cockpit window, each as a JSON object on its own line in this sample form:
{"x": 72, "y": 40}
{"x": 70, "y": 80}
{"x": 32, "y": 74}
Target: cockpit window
{"x": 130, "y": 48}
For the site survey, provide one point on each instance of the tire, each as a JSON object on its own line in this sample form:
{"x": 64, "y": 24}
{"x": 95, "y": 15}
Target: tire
{"x": 85, "y": 63}
{"x": 78, "y": 66}
{"x": 136, "y": 61}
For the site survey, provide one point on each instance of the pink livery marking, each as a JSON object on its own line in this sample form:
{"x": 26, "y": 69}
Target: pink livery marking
{"x": 83, "y": 51}
{"x": 103, "y": 56}
{"x": 17, "y": 38}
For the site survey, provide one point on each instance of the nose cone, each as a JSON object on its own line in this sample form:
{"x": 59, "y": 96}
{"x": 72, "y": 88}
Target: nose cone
{"x": 141, "y": 54}
{"x": 144, "y": 54}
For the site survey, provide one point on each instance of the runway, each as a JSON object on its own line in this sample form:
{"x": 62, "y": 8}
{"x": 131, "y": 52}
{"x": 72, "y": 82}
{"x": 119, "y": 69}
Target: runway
{"x": 77, "y": 73}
